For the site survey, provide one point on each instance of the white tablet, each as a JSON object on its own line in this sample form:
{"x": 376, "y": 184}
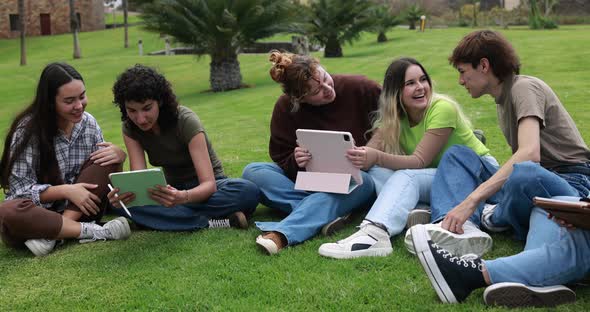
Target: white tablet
{"x": 328, "y": 157}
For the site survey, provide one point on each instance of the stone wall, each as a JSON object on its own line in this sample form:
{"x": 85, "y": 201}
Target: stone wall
{"x": 56, "y": 14}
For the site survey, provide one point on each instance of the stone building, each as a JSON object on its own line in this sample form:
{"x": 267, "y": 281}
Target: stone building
{"x": 49, "y": 17}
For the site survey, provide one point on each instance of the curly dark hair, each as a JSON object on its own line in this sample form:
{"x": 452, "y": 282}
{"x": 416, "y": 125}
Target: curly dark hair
{"x": 140, "y": 83}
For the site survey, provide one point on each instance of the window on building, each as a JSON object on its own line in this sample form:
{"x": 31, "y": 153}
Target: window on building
{"x": 14, "y": 22}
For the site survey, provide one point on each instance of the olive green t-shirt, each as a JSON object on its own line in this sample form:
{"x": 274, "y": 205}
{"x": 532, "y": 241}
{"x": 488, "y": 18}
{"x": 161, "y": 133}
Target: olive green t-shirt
{"x": 440, "y": 114}
{"x": 169, "y": 149}
{"x": 525, "y": 96}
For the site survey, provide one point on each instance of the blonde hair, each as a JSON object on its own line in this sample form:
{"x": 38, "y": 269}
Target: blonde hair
{"x": 391, "y": 108}
{"x": 293, "y": 71}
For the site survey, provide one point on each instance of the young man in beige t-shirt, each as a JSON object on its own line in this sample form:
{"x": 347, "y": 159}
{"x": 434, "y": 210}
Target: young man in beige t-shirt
{"x": 549, "y": 159}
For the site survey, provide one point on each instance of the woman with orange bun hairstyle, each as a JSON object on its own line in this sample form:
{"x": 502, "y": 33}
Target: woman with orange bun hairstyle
{"x": 312, "y": 99}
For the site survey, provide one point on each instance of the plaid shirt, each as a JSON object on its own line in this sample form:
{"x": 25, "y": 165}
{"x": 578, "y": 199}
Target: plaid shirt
{"x": 70, "y": 153}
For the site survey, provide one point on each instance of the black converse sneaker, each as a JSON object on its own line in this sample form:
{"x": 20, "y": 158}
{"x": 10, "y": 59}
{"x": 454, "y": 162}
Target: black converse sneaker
{"x": 234, "y": 220}
{"x": 453, "y": 278}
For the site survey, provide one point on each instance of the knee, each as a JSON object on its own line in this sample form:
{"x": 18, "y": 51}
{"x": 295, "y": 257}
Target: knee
{"x": 522, "y": 174}
{"x": 253, "y": 170}
{"x": 458, "y": 153}
{"x": 10, "y": 210}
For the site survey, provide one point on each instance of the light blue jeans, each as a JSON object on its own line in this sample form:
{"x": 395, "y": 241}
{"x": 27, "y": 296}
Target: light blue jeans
{"x": 553, "y": 255}
{"x": 308, "y": 211}
{"x": 398, "y": 193}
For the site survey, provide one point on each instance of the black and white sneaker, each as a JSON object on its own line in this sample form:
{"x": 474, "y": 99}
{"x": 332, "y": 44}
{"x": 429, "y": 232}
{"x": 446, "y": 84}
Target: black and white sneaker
{"x": 486, "y": 219}
{"x": 370, "y": 241}
{"x": 519, "y": 295}
{"x": 453, "y": 278}
{"x": 335, "y": 225}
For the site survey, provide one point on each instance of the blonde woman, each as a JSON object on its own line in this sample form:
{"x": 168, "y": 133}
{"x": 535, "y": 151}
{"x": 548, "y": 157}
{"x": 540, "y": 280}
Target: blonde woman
{"x": 413, "y": 128}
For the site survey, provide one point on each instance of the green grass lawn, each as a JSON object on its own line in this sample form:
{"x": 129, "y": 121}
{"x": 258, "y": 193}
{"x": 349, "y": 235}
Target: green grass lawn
{"x": 222, "y": 269}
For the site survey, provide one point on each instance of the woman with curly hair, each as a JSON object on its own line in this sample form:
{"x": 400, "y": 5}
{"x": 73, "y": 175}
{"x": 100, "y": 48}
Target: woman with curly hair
{"x": 55, "y": 167}
{"x": 199, "y": 195}
{"x": 312, "y": 99}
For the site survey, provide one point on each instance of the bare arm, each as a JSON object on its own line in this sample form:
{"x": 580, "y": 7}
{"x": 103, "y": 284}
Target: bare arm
{"x": 170, "y": 196}
{"x": 529, "y": 148}
{"x": 136, "y": 153}
{"x": 429, "y": 147}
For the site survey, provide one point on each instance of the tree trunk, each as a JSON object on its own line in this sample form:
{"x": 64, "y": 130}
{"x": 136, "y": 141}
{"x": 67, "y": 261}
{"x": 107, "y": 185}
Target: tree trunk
{"x": 412, "y": 24}
{"x": 74, "y": 25}
{"x": 333, "y": 48}
{"x": 22, "y": 25}
{"x": 125, "y": 11}
{"x": 381, "y": 37}
{"x": 225, "y": 73}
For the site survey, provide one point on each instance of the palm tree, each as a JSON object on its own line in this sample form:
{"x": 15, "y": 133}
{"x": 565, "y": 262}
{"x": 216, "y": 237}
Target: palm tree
{"x": 413, "y": 14}
{"x": 220, "y": 28}
{"x": 383, "y": 21}
{"x": 334, "y": 22}
{"x": 22, "y": 26}
{"x": 74, "y": 25}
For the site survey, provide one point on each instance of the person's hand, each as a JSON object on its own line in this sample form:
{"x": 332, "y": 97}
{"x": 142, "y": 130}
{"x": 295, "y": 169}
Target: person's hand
{"x": 87, "y": 202}
{"x": 562, "y": 222}
{"x": 168, "y": 196}
{"x": 108, "y": 154}
{"x": 362, "y": 157}
{"x": 302, "y": 156}
{"x": 455, "y": 219}
{"x": 126, "y": 198}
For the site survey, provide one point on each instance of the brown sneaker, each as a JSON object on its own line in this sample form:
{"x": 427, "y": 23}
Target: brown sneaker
{"x": 271, "y": 242}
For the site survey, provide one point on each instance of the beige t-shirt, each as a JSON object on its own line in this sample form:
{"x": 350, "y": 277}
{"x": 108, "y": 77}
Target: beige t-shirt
{"x": 169, "y": 149}
{"x": 525, "y": 96}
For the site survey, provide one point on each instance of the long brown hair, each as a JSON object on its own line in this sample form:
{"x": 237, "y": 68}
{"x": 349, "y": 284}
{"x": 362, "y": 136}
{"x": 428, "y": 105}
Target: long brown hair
{"x": 293, "y": 71}
{"x": 39, "y": 121}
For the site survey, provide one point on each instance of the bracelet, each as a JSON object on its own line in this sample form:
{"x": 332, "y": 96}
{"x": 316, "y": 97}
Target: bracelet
{"x": 186, "y": 191}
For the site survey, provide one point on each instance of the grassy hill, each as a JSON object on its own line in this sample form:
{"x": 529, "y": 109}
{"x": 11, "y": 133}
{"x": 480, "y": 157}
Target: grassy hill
{"x": 222, "y": 269}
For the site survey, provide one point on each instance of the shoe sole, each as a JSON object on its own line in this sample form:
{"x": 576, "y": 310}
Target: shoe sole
{"x": 420, "y": 243}
{"x": 456, "y": 244}
{"x": 334, "y": 226}
{"x": 242, "y": 220}
{"x": 37, "y": 249}
{"x": 373, "y": 252}
{"x": 418, "y": 216}
{"x": 518, "y": 295}
{"x": 267, "y": 246}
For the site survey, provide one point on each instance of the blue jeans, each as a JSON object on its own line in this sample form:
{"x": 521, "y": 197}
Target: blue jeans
{"x": 232, "y": 195}
{"x": 553, "y": 255}
{"x": 461, "y": 171}
{"x": 308, "y": 211}
{"x": 398, "y": 193}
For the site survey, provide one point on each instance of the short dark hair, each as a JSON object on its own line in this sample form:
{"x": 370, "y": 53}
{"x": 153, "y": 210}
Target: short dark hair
{"x": 140, "y": 83}
{"x": 491, "y": 45}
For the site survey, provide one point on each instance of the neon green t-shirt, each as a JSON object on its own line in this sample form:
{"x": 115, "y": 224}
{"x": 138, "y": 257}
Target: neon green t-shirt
{"x": 440, "y": 114}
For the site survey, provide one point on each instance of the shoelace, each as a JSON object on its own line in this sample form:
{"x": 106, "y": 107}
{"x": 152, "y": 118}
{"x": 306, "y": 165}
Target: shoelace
{"x": 219, "y": 223}
{"x": 99, "y": 234}
{"x": 465, "y": 260}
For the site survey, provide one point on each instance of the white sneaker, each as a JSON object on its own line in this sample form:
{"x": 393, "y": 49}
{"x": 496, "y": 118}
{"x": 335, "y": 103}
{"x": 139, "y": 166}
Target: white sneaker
{"x": 113, "y": 230}
{"x": 473, "y": 240}
{"x": 40, "y": 247}
{"x": 486, "y": 219}
{"x": 519, "y": 295}
{"x": 369, "y": 241}
{"x": 420, "y": 215}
